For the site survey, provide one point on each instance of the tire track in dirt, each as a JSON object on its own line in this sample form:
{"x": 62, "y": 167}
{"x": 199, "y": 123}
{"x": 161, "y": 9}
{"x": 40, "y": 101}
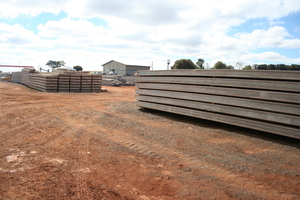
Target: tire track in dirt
{"x": 9, "y": 104}
{"x": 82, "y": 189}
{"x": 83, "y": 192}
{"x": 26, "y": 122}
{"x": 143, "y": 135}
{"x": 154, "y": 150}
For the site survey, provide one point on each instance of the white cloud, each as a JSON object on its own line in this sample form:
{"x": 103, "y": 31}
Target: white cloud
{"x": 271, "y": 57}
{"x": 273, "y": 37}
{"x": 65, "y": 27}
{"x": 151, "y": 12}
{"x": 15, "y": 8}
{"x": 17, "y": 35}
{"x": 140, "y": 32}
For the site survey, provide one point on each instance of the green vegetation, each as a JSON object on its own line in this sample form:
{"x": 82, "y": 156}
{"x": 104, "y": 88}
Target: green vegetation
{"x": 55, "y": 64}
{"x": 277, "y": 67}
{"x": 78, "y": 68}
{"x": 184, "y": 64}
{"x": 230, "y": 67}
{"x": 220, "y": 65}
{"x": 247, "y": 67}
{"x": 188, "y": 64}
{"x": 200, "y": 63}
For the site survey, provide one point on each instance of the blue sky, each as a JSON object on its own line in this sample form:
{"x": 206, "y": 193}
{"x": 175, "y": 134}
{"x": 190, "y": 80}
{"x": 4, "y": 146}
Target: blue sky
{"x": 92, "y": 32}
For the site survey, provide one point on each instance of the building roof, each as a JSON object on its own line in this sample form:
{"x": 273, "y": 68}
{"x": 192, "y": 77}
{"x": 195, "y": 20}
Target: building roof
{"x": 125, "y": 64}
{"x": 113, "y": 61}
{"x": 137, "y": 66}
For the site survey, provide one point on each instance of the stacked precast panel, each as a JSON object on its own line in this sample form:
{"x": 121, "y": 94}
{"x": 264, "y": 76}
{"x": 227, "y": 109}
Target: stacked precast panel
{"x": 16, "y": 77}
{"x": 75, "y": 82}
{"x": 262, "y": 100}
{"x": 62, "y": 81}
{"x": 25, "y": 75}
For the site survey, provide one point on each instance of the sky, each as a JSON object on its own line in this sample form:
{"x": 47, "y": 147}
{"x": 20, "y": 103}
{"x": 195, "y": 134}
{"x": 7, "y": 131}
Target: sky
{"x": 90, "y": 33}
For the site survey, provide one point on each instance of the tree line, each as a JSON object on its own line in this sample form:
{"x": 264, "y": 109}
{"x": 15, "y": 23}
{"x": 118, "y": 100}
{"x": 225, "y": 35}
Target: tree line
{"x": 276, "y": 67}
{"x": 189, "y": 64}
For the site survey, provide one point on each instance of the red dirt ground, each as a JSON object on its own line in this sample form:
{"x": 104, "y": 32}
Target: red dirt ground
{"x": 102, "y": 146}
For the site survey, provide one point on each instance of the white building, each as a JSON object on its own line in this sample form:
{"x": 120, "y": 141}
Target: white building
{"x": 122, "y": 69}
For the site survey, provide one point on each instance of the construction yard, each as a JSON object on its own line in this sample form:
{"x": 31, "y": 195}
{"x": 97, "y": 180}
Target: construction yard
{"x": 103, "y": 146}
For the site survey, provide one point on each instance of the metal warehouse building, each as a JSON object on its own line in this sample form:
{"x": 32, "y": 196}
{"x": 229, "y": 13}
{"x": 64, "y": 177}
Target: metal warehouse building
{"x": 122, "y": 69}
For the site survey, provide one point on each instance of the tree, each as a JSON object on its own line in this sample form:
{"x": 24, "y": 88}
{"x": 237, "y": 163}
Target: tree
{"x": 230, "y": 67}
{"x": 272, "y": 67}
{"x": 78, "y": 68}
{"x": 282, "y": 67}
{"x": 55, "y": 64}
{"x": 262, "y": 67}
{"x": 184, "y": 64}
{"x": 277, "y": 67}
{"x": 247, "y": 67}
{"x": 220, "y": 65}
{"x": 295, "y": 67}
{"x": 200, "y": 63}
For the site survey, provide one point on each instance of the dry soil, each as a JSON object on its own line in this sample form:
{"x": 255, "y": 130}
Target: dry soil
{"x": 102, "y": 146}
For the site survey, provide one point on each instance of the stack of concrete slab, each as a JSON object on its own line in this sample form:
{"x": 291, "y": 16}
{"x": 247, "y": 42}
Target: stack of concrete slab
{"x": 79, "y": 82}
{"x": 262, "y": 100}
{"x": 62, "y": 81}
{"x": 16, "y": 77}
{"x": 25, "y": 75}
{"x": 66, "y": 82}
{"x": 45, "y": 82}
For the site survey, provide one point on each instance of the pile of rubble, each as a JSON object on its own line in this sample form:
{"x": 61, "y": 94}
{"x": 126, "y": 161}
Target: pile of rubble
{"x": 117, "y": 80}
